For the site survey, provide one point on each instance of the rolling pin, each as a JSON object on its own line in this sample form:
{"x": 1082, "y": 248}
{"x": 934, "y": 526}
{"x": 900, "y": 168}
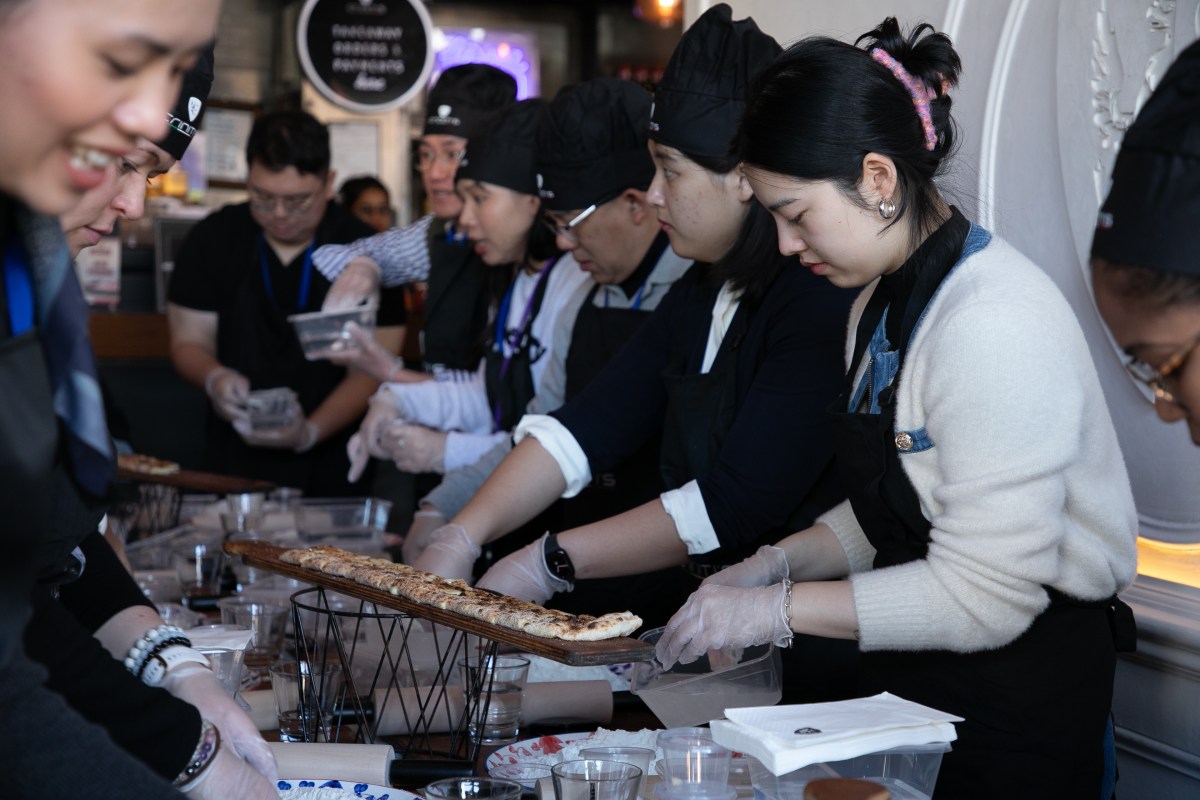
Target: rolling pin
{"x": 582, "y": 701}
{"x": 361, "y": 763}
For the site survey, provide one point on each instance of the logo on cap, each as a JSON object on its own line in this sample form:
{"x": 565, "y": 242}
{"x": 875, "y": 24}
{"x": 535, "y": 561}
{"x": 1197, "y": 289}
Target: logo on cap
{"x": 444, "y": 117}
{"x": 545, "y": 194}
{"x": 193, "y": 108}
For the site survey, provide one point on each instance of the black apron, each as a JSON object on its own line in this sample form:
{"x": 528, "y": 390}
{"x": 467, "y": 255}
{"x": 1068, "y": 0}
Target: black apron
{"x": 1036, "y": 708}
{"x": 598, "y": 335}
{"x": 456, "y": 305}
{"x": 255, "y": 339}
{"x": 510, "y": 381}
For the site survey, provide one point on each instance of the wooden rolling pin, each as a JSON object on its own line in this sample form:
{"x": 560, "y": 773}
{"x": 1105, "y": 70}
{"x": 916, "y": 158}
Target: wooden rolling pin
{"x": 361, "y": 763}
{"x": 558, "y": 701}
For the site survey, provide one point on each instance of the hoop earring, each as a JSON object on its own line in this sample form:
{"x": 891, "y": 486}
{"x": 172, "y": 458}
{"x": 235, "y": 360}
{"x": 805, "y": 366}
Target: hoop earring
{"x": 887, "y": 209}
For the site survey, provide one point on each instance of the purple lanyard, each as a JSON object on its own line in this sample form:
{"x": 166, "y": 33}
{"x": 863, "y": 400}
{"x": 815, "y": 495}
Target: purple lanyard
{"x": 518, "y": 332}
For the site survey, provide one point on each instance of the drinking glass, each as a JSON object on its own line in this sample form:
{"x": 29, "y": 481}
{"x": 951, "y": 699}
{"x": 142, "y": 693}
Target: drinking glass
{"x": 595, "y": 780}
{"x": 498, "y": 683}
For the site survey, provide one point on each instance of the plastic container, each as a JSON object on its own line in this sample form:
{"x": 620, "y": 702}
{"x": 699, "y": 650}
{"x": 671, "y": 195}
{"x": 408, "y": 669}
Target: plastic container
{"x": 909, "y": 773}
{"x": 322, "y": 333}
{"x": 349, "y": 523}
{"x": 271, "y": 409}
{"x": 694, "y": 694}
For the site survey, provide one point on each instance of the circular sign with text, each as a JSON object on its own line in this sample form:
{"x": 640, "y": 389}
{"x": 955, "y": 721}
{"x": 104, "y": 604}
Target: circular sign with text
{"x": 366, "y": 55}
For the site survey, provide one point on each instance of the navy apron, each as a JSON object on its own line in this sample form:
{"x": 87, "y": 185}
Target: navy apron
{"x": 509, "y": 379}
{"x": 1036, "y": 709}
{"x": 456, "y": 305}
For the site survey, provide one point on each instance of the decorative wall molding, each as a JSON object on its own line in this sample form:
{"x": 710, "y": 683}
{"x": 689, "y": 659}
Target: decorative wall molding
{"x": 994, "y": 119}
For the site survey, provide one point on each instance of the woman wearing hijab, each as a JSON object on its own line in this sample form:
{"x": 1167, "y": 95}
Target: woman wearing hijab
{"x": 1146, "y": 275}
{"x": 435, "y": 426}
{"x": 990, "y": 522}
{"x": 89, "y": 78}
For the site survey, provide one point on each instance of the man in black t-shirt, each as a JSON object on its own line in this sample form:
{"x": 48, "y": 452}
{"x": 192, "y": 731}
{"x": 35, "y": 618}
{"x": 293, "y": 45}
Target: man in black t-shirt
{"x": 240, "y": 273}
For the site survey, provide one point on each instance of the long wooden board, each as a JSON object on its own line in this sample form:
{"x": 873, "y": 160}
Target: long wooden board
{"x": 264, "y": 555}
{"x": 205, "y": 482}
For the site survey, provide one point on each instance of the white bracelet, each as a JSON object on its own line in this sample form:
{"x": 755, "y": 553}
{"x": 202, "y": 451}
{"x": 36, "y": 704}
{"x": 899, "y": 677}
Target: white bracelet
{"x": 787, "y": 615}
{"x": 144, "y": 646}
{"x": 163, "y": 662}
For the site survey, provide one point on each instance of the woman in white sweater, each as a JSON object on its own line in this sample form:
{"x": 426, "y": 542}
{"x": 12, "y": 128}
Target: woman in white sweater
{"x": 990, "y": 522}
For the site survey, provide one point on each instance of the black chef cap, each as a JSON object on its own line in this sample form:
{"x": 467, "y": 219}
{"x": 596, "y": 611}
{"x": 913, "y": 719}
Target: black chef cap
{"x": 466, "y": 97}
{"x": 184, "y": 118}
{"x": 1150, "y": 216}
{"x": 592, "y": 144}
{"x": 702, "y": 93}
{"x": 505, "y": 154}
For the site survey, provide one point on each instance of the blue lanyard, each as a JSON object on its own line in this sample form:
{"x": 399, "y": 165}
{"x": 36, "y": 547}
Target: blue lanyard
{"x": 519, "y": 331}
{"x": 17, "y": 288}
{"x": 305, "y": 276}
{"x": 637, "y": 298}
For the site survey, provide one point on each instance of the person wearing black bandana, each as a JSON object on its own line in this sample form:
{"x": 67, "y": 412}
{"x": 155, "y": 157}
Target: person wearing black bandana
{"x": 591, "y": 153}
{"x": 240, "y": 273}
{"x": 56, "y": 460}
{"x": 462, "y": 105}
{"x": 1146, "y": 272}
{"x": 729, "y": 375}
{"x": 989, "y": 523}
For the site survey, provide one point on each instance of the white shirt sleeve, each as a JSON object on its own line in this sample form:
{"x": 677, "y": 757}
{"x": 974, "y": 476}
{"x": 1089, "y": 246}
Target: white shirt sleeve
{"x": 401, "y": 253}
{"x": 464, "y": 449}
{"x": 562, "y": 446}
{"x": 444, "y": 405}
{"x": 685, "y": 506}
{"x": 724, "y": 308}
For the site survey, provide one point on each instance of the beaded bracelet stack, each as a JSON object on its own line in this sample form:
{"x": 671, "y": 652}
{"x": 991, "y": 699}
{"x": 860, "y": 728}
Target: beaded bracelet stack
{"x": 153, "y": 642}
{"x": 203, "y": 756}
{"x": 787, "y": 614}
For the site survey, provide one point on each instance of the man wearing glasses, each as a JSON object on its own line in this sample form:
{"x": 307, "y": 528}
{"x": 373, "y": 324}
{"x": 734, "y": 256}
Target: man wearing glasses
{"x": 240, "y": 273}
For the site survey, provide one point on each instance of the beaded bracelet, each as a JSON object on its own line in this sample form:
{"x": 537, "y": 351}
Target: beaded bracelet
{"x": 158, "y": 648}
{"x": 787, "y": 614}
{"x": 203, "y": 756}
{"x": 135, "y": 661}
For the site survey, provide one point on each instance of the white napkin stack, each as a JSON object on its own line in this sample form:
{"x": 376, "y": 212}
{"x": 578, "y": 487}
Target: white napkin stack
{"x": 207, "y": 639}
{"x": 830, "y": 731}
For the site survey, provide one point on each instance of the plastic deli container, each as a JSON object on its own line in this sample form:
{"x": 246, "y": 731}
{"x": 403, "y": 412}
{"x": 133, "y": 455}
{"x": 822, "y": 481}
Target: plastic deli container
{"x": 694, "y": 694}
{"x": 909, "y": 773}
{"x": 349, "y": 523}
{"x": 270, "y": 409}
{"x": 322, "y": 333}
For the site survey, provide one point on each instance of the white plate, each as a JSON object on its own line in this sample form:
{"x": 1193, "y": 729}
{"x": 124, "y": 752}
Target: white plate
{"x": 533, "y": 749}
{"x": 295, "y": 790}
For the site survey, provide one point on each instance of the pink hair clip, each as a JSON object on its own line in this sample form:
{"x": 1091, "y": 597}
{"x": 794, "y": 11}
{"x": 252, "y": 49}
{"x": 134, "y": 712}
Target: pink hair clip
{"x": 922, "y": 95}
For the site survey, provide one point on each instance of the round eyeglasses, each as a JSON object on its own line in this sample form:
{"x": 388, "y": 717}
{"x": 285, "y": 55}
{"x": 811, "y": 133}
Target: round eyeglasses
{"x": 1163, "y": 380}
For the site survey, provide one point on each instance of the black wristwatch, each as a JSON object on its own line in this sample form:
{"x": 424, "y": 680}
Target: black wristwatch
{"x": 558, "y": 563}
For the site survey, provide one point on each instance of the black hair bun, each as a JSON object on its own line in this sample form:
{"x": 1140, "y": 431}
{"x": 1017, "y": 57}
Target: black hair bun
{"x": 926, "y": 54}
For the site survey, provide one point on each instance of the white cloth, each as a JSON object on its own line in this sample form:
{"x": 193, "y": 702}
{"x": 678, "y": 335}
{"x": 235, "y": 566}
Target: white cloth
{"x": 1024, "y": 486}
{"x": 685, "y": 506}
{"x": 831, "y": 731}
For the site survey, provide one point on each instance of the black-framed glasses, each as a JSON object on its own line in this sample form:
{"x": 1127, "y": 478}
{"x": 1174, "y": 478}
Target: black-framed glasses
{"x": 568, "y": 230}
{"x": 1163, "y": 380}
{"x": 293, "y": 204}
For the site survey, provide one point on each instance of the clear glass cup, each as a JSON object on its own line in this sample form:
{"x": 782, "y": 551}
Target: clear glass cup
{"x": 305, "y": 696}
{"x": 473, "y": 789}
{"x": 639, "y": 757}
{"x": 693, "y": 764}
{"x": 589, "y": 779}
{"x": 266, "y": 617}
{"x": 497, "y": 682}
{"x": 199, "y": 567}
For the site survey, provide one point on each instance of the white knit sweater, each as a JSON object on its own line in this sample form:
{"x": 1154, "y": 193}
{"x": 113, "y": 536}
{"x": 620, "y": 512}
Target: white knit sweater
{"x": 1025, "y": 485}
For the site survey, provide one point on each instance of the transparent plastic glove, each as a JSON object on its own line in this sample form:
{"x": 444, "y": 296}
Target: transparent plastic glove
{"x": 451, "y": 553}
{"x": 369, "y": 355}
{"x": 717, "y": 616}
{"x": 196, "y": 684}
{"x": 228, "y": 390}
{"x": 230, "y": 777}
{"x": 299, "y": 437}
{"x": 357, "y": 284}
{"x": 420, "y": 533}
{"x": 523, "y": 574}
{"x": 768, "y": 565}
{"x": 414, "y": 448}
{"x": 365, "y": 444}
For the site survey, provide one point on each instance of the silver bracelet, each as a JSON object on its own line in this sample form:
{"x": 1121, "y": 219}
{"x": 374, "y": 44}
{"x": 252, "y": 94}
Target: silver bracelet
{"x": 787, "y": 614}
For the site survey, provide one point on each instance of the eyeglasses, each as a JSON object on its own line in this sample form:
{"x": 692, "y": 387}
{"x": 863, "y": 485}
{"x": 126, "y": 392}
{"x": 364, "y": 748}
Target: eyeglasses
{"x": 293, "y": 204}
{"x": 1163, "y": 380}
{"x": 427, "y": 158}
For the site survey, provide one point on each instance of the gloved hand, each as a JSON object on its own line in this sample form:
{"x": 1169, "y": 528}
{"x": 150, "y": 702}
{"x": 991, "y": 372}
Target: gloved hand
{"x": 364, "y": 444}
{"x": 523, "y": 575}
{"x": 718, "y": 616}
{"x": 357, "y": 284}
{"x": 415, "y": 448}
{"x": 425, "y": 523}
{"x": 196, "y": 684}
{"x": 451, "y": 553}
{"x": 768, "y": 565}
{"x": 228, "y": 390}
{"x": 229, "y": 776}
{"x": 299, "y": 437}
{"x": 368, "y": 355}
